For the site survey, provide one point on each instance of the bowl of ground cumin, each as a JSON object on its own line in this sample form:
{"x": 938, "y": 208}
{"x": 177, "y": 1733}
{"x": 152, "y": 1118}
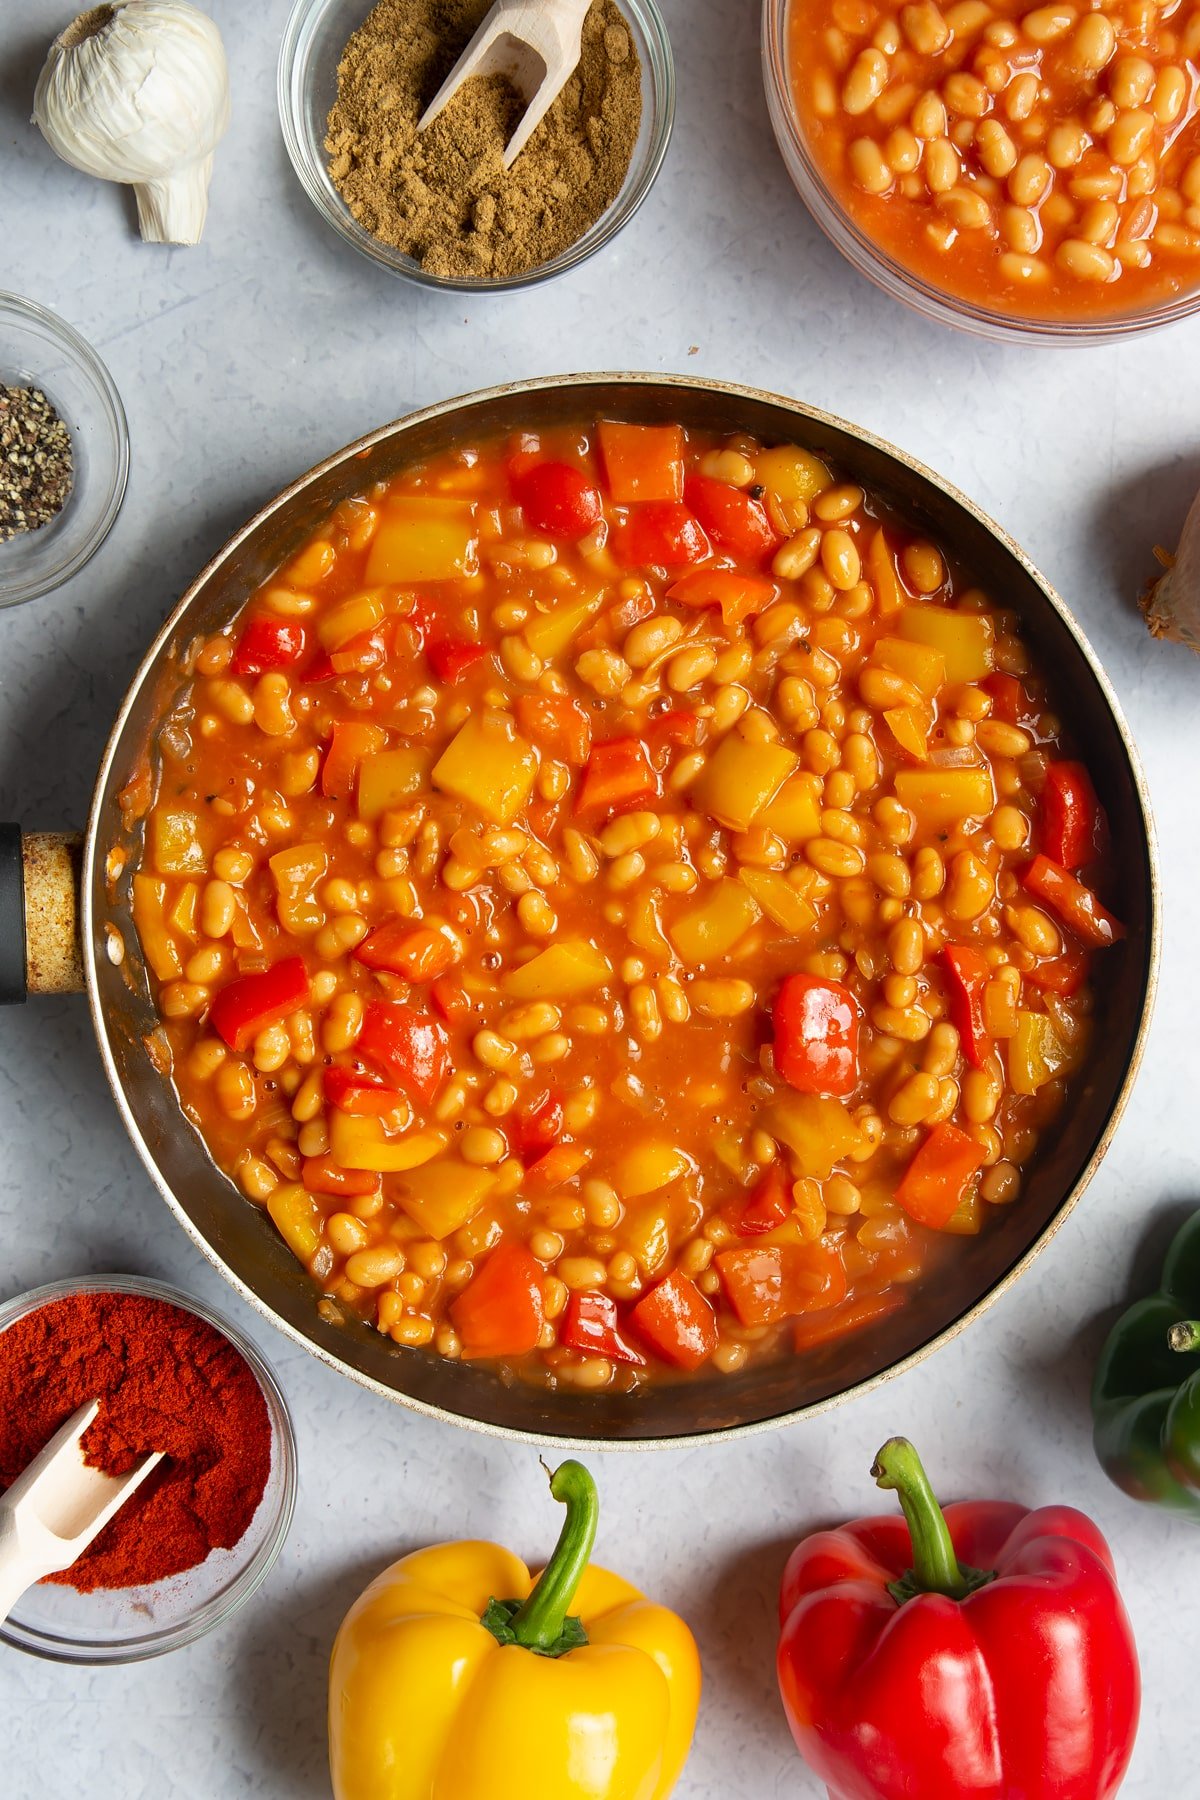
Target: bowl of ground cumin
{"x": 64, "y": 451}
{"x": 438, "y": 207}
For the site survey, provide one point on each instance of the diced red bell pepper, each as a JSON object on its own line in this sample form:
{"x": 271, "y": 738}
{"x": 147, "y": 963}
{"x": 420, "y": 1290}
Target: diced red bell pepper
{"x": 321, "y": 1175}
{"x": 353, "y": 1092}
{"x": 558, "y": 499}
{"x": 450, "y": 658}
{"x": 1063, "y": 974}
{"x": 415, "y": 951}
{"x": 592, "y": 1323}
{"x": 1075, "y": 904}
{"x": 351, "y": 740}
{"x": 1070, "y": 816}
{"x": 408, "y": 1045}
{"x": 367, "y": 651}
{"x": 765, "y": 1207}
{"x": 677, "y": 1321}
{"x": 538, "y": 1126}
{"x": 968, "y": 973}
{"x": 247, "y": 1006}
{"x": 269, "y": 644}
{"x": 642, "y": 462}
{"x": 737, "y": 595}
{"x": 501, "y": 1311}
{"x": 618, "y": 774}
{"x": 730, "y": 516}
{"x": 557, "y": 724}
{"x": 769, "y": 1282}
{"x": 936, "y": 1179}
{"x": 662, "y": 535}
{"x": 450, "y": 998}
{"x": 674, "y": 730}
{"x": 560, "y": 1164}
{"x": 1010, "y": 703}
{"x": 816, "y": 1035}
{"x": 840, "y": 1321}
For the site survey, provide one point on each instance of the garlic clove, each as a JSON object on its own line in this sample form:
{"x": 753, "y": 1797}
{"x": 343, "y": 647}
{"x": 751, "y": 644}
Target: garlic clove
{"x": 137, "y": 91}
{"x": 1172, "y": 603}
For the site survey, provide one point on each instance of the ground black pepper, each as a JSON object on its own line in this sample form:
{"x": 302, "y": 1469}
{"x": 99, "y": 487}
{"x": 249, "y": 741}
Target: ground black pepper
{"x": 37, "y": 469}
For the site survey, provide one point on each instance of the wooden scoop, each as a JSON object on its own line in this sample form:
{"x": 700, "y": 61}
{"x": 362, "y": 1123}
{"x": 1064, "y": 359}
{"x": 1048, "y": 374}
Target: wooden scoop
{"x": 56, "y": 1506}
{"x": 536, "y": 44}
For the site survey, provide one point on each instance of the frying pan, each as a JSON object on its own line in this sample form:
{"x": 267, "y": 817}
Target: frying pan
{"x": 239, "y": 1239}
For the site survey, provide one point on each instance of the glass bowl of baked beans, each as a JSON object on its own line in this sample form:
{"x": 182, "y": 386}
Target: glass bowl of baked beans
{"x": 624, "y": 903}
{"x": 1002, "y": 167}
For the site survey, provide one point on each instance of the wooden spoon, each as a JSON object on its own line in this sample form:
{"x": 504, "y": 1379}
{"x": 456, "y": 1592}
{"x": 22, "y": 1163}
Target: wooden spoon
{"x": 536, "y": 44}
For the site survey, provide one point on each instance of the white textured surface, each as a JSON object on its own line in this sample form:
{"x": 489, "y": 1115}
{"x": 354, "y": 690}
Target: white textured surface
{"x": 241, "y": 362}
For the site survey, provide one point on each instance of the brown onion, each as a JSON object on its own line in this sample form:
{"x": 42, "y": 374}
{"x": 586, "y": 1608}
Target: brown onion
{"x": 1172, "y": 603}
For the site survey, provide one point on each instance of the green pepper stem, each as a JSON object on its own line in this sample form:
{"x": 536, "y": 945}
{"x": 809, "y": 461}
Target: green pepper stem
{"x": 538, "y": 1624}
{"x": 935, "y": 1567}
{"x": 1185, "y": 1335}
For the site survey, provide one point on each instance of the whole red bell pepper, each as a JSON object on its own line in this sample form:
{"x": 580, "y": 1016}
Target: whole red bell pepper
{"x": 978, "y": 1653}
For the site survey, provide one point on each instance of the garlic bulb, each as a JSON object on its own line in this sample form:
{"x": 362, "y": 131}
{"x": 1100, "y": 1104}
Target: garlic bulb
{"x": 138, "y": 91}
{"x": 1172, "y": 603}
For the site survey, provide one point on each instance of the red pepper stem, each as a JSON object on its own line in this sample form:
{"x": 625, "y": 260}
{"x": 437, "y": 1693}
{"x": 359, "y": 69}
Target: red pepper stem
{"x": 538, "y": 1624}
{"x": 1185, "y": 1335}
{"x": 935, "y": 1567}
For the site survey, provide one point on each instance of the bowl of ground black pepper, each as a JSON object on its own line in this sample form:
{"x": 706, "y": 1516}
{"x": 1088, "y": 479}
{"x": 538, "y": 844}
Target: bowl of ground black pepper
{"x": 438, "y": 207}
{"x": 203, "y": 1532}
{"x": 64, "y": 451}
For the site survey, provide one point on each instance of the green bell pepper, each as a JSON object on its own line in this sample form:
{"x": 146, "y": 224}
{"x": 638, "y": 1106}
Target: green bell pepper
{"x": 1146, "y": 1394}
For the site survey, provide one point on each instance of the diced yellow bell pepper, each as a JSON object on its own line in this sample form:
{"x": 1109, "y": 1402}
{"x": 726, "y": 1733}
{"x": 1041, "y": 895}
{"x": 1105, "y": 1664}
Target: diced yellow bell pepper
{"x": 185, "y": 914}
{"x": 548, "y": 634}
{"x": 941, "y": 799}
{"x": 910, "y": 730}
{"x": 297, "y": 1218}
{"x": 648, "y": 1166}
{"x": 795, "y": 812}
{"x": 999, "y": 1010}
{"x": 964, "y": 638}
{"x": 706, "y": 932}
{"x": 423, "y": 539}
{"x": 350, "y": 618}
{"x": 297, "y": 871}
{"x": 791, "y": 473}
{"x": 739, "y": 779}
{"x": 922, "y": 664}
{"x": 442, "y": 1196}
{"x": 818, "y": 1131}
{"x": 389, "y": 778}
{"x": 645, "y": 1231}
{"x": 782, "y": 902}
{"x": 175, "y": 846}
{"x": 149, "y": 915}
{"x": 360, "y": 1142}
{"x": 881, "y": 573}
{"x": 490, "y": 766}
{"x": 563, "y": 972}
{"x": 1035, "y": 1054}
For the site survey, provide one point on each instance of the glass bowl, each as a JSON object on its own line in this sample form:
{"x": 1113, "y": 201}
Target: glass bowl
{"x": 122, "y": 1625}
{"x": 871, "y": 260}
{"x": 38, "y": 349}
{"x": 313, "y": 42}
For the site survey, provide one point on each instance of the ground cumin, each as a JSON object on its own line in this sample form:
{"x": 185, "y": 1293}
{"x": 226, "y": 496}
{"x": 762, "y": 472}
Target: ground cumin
{"x": 444, "y": 196}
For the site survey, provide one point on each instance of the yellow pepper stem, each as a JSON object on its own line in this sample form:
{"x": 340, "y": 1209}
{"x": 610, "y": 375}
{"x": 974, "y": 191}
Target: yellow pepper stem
{"x": 541, "y": 1622}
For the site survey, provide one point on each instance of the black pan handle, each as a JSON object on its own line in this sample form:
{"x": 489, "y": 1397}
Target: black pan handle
{"x": 39, "y": 914}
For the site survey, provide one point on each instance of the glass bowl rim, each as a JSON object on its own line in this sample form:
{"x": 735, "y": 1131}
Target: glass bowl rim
{"x": 91, "y": 366}
{"x": 891, "y": 276}
{"x": 302, "y": 22}
{"x": 222, "y": 1606}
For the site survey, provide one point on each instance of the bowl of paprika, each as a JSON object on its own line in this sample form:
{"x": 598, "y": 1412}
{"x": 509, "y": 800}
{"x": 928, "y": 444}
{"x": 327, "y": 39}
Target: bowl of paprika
{"x": 204, "y": 1531}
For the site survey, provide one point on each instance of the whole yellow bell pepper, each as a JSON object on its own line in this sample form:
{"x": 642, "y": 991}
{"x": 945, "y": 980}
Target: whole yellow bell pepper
{"x": 456, "y": 1676}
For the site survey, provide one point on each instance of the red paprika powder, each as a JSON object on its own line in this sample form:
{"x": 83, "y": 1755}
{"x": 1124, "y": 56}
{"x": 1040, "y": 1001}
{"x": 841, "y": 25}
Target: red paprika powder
{"x": 166, "y": 1381}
